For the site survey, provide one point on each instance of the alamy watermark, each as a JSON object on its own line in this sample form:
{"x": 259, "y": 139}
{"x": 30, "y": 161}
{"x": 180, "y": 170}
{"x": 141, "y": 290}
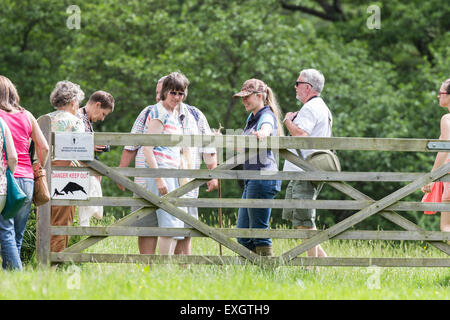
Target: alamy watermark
{"x": 74, "y": 19}
{"x": 374, "y": 20}
{"x": 232, "y": 146}
{"x": 373, "y": 282}
{"x": 74, "y": 280}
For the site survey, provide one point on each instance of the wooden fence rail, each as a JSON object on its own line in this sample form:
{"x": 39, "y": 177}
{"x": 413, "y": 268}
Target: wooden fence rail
{"x": 255, "y": 233}
{"x": 250, "y": 203}
{"x": 133, "y": 225}
{"x": 251, "y": 142}
{"x": 255, "y": 175}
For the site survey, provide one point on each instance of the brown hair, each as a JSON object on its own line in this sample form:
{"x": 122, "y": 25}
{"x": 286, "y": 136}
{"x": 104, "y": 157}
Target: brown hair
{"x": 174, "y": 81}
{"x": 106, "y": 99}
{"x": 9, "y": 98}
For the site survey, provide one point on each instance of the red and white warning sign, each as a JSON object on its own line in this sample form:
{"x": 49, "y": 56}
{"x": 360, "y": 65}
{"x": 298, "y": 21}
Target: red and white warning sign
{"x": 70, "y": 185}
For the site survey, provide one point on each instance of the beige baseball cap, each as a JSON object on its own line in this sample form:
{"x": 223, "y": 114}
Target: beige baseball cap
{"x": 251, "y": 86}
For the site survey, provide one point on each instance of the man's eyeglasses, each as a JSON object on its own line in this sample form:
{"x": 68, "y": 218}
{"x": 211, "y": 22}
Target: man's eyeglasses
{"x": 299, "y": 82}
{"x": 174, "y": 93}
{"x": 440, "y": 92}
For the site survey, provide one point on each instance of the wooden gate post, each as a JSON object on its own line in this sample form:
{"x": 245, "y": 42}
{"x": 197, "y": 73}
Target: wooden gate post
{"x": 43, "y": 213}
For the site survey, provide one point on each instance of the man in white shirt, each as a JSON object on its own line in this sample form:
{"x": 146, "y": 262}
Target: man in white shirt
{"x": 312, "y": 120}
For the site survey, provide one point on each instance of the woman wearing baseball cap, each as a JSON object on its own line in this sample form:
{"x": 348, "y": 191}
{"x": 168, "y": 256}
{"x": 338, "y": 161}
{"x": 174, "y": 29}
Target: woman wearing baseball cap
{"x": 263, "y": 121}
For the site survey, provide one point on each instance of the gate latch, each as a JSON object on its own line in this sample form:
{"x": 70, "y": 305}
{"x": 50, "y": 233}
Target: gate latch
{"x": 437, "y": 145}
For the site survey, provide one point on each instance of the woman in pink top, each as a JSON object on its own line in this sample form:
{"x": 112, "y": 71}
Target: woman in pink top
{"x": 23, "y": 126}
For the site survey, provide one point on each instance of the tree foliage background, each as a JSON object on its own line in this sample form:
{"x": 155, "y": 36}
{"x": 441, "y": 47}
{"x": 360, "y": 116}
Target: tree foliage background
{"x": 379, "y": 82}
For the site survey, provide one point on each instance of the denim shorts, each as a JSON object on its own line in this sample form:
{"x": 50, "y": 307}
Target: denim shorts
{"x": 165, "y": 219}
{"x": 301, "y": 190}
{"x": 193, "y": 212}
{"x": 151, "y": 220}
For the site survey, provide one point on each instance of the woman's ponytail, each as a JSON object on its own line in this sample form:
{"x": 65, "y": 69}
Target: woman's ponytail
{"x": 271, "y": 101}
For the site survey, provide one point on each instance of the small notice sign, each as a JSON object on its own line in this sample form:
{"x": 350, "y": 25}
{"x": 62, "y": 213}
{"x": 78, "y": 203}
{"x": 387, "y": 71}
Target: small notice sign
{"x": 74, "y": 146}
{"x": 70, "y": 185}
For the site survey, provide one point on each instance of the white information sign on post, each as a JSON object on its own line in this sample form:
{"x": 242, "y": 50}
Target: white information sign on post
{"x": 74, "y": 146}
{"x": 71, "y": 185}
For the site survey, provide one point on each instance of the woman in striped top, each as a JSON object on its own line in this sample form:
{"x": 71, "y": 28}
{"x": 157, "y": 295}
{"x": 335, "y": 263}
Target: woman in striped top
{"x": 163, "y": 119}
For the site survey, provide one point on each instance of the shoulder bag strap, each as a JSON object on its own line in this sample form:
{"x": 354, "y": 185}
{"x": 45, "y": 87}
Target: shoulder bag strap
{"x": 330, "y": 121}
{"x": 193, "y": 112}
{"x": 147, "y": 112}
{"x": 4, "y": 142}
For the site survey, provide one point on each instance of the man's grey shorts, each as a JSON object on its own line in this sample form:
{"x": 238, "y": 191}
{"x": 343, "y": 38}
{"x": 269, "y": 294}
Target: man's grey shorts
{"x": 296, "y": 190}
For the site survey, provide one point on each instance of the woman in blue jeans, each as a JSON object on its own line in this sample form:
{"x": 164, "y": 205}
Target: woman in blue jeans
{"x": 23, "y": 126}
{"x": 263, "y": 121}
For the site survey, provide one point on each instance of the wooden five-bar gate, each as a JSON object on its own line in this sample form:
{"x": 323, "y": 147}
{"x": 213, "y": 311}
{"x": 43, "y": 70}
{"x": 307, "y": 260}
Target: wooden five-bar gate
{"x": 131, "y": 225}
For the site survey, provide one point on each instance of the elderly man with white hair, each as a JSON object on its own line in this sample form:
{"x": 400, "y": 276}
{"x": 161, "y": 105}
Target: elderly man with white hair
{"x": 312, "y": 120}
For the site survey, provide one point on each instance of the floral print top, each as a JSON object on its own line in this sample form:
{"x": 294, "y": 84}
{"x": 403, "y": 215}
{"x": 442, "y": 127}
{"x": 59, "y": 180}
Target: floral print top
{"x": 63, "y": 121}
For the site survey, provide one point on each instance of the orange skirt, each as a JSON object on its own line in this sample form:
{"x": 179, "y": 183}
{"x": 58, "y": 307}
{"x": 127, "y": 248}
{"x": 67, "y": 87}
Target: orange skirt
{"x": 440, "y": 192}
{"x": 446, "y": 190}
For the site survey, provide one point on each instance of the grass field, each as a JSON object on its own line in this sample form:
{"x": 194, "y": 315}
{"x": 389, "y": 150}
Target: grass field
{"x": 199, "y": 282}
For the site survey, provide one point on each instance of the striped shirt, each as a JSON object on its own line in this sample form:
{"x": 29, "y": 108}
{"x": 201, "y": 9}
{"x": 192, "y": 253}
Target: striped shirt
{"x": 192, "y": 157}
{"x": 189, "y": 124}
{"x": 82, "y": 114}
{"x": 140, "y": 127}
{"x": 166, "y": 157}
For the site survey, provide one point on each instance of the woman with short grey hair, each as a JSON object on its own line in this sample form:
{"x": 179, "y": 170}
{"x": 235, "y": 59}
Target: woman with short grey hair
{"x": 65, "y": 93}
{"x": 65, "y": 98}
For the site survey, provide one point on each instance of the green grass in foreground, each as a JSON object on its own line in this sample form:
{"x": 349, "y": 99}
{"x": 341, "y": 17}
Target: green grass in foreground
{"x": 133, "y": 281}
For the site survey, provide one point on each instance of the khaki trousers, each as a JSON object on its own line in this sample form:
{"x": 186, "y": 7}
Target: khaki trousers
{"x": 61, "y": 216}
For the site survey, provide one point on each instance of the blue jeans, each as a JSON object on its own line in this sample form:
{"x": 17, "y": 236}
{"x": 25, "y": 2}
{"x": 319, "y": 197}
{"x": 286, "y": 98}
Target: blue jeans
{"x": 257, "y": 217}
{"x": 11, "y": 230}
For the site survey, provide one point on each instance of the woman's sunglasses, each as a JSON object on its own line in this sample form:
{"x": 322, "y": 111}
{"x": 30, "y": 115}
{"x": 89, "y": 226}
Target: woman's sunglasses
{"x": 174, "y": 93}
